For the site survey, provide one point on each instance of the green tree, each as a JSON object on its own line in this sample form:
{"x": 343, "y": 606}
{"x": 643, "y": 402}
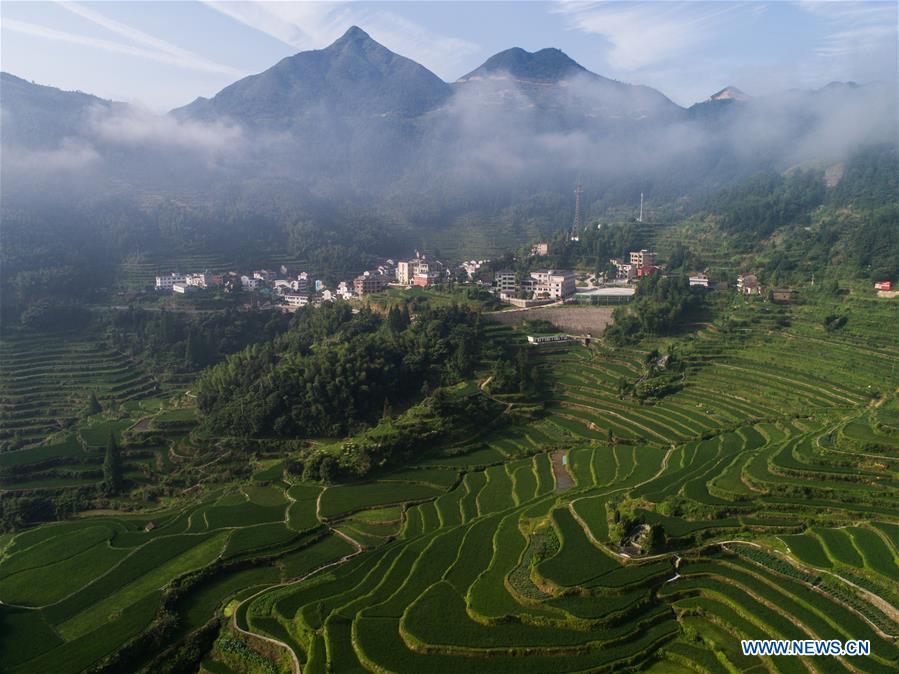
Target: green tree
{"x": 327, "y": 470}
{"x": 656, "y": 541}
{"x": 93, "y": 405}
{"x": 522, "y": 370}
{"x": 112, "y": 467}
{"x": 397, "y": 319}
{"x": 193, "y": 352}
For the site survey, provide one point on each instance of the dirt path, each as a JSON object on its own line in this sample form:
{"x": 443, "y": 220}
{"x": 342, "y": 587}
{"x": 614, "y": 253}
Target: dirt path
{"x": 295, "y": 661}
{"x": 142, "y": 425}
{"x": 561, "y": 474}
{"x": 888, "y": 609}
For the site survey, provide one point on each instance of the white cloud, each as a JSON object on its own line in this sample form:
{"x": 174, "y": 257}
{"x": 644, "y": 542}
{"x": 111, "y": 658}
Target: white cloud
{"x": 137, "y": 127}
{"x": 854, "y": 27}
{"x": 645, "y": 33}
{"x": 139, "y": 44}
{"x": 183, "y": 57}
{"x": 35, "y": 30}
{"x": 72, "y": 155}
{"x": 313, "y": 25}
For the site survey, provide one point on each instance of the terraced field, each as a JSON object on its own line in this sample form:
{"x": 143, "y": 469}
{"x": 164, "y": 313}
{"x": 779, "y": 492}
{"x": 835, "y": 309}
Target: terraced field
{"x": 761, "y": 499}
{"x": 88, "y": 586}
{"x": 760, "y": 445}
{"x": 45, "y": 382}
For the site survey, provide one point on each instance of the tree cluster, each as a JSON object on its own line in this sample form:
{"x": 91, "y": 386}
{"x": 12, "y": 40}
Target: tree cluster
{"x": 332, "y": 372}
{"x": 179, "y": 341}
{"x": 756, "y": 208}
{"x": 441, "y": 417}
{"x": 661, "y": 304}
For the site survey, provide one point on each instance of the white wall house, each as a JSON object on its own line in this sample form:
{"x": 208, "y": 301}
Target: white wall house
{"x": 166, "y": 282}
{"x": 699, "y": 280}
{"x": 344, "y": 290}
{"x": 294, "y": 300}
{"x": 201, "y": 280}
{"x": 556, "y": 284}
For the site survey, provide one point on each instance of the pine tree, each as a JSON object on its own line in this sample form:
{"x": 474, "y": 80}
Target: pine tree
{"x": 192, "y": 350}
{"x": 112, "y": 467}
{"x": 395, "y": 320}
{"x": 93, "y": 405}
{"x": 522, "y": 369}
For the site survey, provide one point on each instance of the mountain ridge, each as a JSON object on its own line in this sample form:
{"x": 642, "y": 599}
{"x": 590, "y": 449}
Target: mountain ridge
{"x": 354, "y": 66}
{"x": 356, "y": 121}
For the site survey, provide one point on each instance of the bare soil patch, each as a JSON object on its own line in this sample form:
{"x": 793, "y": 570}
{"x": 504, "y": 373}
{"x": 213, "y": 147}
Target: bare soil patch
{"x": 564, "y": 481}
{"x": 571, "y": 319}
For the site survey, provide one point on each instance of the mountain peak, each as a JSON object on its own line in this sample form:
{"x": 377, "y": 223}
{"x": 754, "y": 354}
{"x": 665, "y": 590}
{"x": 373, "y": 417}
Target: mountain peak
{"x": 353, "y": 34}
{"x": 730, "y": 93}
{"x": 546, "y": 65}
{"x": 354, "y": 76}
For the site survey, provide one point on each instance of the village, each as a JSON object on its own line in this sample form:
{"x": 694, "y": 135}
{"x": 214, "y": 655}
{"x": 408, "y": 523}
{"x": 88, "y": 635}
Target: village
{"x": 289, "y": 289}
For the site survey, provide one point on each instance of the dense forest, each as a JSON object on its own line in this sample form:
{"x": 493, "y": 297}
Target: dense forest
{"x": 757, "y": 207}
{"x": 183, "y": 342}
{"x": 802, "y": 227}
{"x": 661, "y": 304}
{"x": 843, "y": 222}
{"x": 334, "y": 371}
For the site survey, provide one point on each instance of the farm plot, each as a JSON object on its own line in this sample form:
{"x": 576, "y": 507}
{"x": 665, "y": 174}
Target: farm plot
{"x": 342, "y": 500}
{"x": 45, "y": 382}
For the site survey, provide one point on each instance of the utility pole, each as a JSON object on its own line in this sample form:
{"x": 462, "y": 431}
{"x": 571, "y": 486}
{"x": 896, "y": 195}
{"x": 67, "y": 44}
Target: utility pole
{"x": 578, "y": 216}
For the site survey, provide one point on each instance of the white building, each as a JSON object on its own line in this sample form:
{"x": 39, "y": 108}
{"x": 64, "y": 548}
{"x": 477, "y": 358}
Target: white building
{"x": 556, "y": 284}
{"x": 249, "y": 283}
{"x": 625, "y": 271}
{"x": 344, "y": 290}
{"x": 748, "y": 284}
{"x": 546, "y": 339}
{"x": 181, "y": 288}
{"x": 282, "y": 286}
{"x": 201, "y": 280}
{"x": 265, "y": 275}
{"x": 699, "y": 280}
{"x": 471, "y": 267}
{"x": 294, "y": 300}
{"x": 405, "y": 270}
{"x": 166, "y": 282}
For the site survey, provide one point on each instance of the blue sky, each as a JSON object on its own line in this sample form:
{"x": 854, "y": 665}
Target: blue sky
{"x": 164, "y": 54}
